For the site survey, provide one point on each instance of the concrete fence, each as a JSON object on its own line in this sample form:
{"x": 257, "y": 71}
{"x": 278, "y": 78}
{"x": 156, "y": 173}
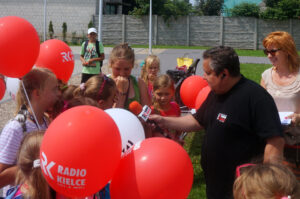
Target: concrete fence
{"x": 241, "y": 32}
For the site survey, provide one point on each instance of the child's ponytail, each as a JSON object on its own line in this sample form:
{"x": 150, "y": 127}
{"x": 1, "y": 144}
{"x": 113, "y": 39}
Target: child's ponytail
{"x": 98, "y": 87}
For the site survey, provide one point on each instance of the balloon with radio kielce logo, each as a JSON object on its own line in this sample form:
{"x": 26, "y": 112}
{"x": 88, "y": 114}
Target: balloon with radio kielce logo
{"x": 19, "y": 46}
{"x": 80, "y": 151}
{"x": 153, "y": 168}
{"x": 57, "y": 56}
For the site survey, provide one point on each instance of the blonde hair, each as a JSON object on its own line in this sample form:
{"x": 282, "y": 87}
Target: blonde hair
{"x": 78, "y": 101}
{"x": 26, "y": 173}
{"x": 162, "y": 81}
{"x": 150, "y": 59}
{"x": 121, "y": 51}
{"x": 98, "y": 87}
{"x": 285, "y": 42}
{"x": 266, "y": 181}
{"x": 67, "y": 93}
{"x": 33, "y": 80}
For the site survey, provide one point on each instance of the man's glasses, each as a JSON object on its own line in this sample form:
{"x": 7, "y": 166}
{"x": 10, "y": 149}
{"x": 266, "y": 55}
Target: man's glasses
{"x": 272, "y": 52}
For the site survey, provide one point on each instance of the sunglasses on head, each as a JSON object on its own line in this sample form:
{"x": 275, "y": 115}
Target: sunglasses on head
{"x": 272, "y": 52}
{"x": 239, "y": 169}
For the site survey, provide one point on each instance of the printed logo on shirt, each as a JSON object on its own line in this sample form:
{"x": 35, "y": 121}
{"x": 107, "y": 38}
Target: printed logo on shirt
{"x": 222, "y": 117}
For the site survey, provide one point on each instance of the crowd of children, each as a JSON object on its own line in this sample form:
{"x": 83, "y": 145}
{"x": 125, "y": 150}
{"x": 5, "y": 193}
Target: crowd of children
{"x": 40, "y": 99}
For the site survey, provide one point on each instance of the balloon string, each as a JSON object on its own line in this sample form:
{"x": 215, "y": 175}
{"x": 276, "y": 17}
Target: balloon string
{"x": 30, "y": 106}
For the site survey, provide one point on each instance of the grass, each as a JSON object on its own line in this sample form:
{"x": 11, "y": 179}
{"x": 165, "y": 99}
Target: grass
{"x": 193, "y": 140}
{"x": 254, "y": 53}
{"x": 240, "y": 52}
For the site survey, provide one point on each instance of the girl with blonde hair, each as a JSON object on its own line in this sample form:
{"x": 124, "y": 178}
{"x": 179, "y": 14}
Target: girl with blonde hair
{"x": 130, "y": 88}
{"x": 149, "y": 72}
{"x": 37, "y": 93}
{"x": 163, "y": 104}
{"x": 266, "y": 181}
{"x": 29, "y": 179}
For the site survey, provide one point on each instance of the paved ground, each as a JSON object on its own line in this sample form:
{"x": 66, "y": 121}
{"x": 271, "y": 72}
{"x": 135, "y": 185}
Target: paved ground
{"x": 168, "y": 61}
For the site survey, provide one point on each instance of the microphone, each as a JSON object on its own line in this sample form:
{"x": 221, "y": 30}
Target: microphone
{"x": 143, "y": 113}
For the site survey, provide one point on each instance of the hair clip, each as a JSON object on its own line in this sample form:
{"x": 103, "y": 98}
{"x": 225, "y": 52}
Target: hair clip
{"x": 105, "y": 78}
{"x": 36, "y": 163}
{"x": 286, "y": 197}
{"x": 66, "y": 105}
{"x": 82, "y": 86}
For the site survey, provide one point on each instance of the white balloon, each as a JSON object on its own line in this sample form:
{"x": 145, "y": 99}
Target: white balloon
{"x": 12, "y": 86}
{"x": 130, "y": 127}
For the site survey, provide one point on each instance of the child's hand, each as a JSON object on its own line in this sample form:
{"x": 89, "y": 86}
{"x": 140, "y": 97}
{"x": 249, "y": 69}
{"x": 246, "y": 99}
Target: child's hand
{"x": 90, "y": 62}
{"x": 122, "y": 84}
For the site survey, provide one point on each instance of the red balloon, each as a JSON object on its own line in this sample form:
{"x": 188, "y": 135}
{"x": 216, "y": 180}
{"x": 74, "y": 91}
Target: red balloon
{"x": 2, "y": 88}
{"x": 154, "y": 168}
{"x": 57, "y": 56}
{"x": 19, "y": 46}
{"x": 201, "y": 97}
{"x": 80, "y": 151}
{"x": 190, "y": 88}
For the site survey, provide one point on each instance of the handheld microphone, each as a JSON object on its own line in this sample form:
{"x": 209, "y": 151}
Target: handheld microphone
{"x": 143, "y": 113}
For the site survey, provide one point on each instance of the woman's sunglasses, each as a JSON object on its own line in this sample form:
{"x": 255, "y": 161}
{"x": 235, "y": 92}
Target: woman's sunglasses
{"x": 239, "y": 169}
{"x": 272, "y": 52}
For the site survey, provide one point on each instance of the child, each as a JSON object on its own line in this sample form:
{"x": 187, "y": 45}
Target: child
{"x": 29, "y": 178}
{"x": 121, "y": 61}
{"x": 42, "y": 89}
{"x": 79, "y": 101}
{"x": 149, "y": 72}
{"x": 99, "y": 88}
{"x": 163, "y": 92}
{"x": 263, "y": 181}
{"x": 91, "y": 55}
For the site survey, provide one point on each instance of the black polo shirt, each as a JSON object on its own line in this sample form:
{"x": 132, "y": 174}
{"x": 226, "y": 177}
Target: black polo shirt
{"x": 237, "y": 125}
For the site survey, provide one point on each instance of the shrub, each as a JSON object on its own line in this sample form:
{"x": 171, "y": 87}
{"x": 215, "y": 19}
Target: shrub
{"x": 245, "y": 10}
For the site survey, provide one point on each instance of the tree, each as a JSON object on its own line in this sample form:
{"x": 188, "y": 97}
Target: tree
{"x": 245, "y": 10}
{"x": 271, "y": 3}
{"x": 211, "y": 7}
{"x": 51, "y": 30}
{"x": 164, "y": 8}
{"x": 64, "y": 31}
{"x": 91, "y": 24}
{"x": 284, "y": 9}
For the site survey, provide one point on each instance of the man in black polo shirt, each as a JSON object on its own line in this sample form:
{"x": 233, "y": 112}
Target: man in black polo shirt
{"x": 240, "y": 119}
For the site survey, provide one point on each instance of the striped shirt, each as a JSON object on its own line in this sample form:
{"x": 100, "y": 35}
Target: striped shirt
{"x": 10, "y": 140}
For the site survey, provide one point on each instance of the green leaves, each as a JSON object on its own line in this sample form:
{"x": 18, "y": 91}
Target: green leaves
{"x": 165, "y": 8}
{"x": 283, "y": 9}
{"x": 245, "y": 10}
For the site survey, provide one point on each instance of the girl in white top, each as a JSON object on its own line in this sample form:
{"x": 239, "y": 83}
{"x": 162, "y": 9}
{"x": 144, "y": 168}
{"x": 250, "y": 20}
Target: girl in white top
{"x": 42, "y": 88}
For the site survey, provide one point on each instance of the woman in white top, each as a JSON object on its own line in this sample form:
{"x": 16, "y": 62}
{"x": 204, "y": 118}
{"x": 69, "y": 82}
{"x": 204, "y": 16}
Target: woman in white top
{"x": 282, "y": 81}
